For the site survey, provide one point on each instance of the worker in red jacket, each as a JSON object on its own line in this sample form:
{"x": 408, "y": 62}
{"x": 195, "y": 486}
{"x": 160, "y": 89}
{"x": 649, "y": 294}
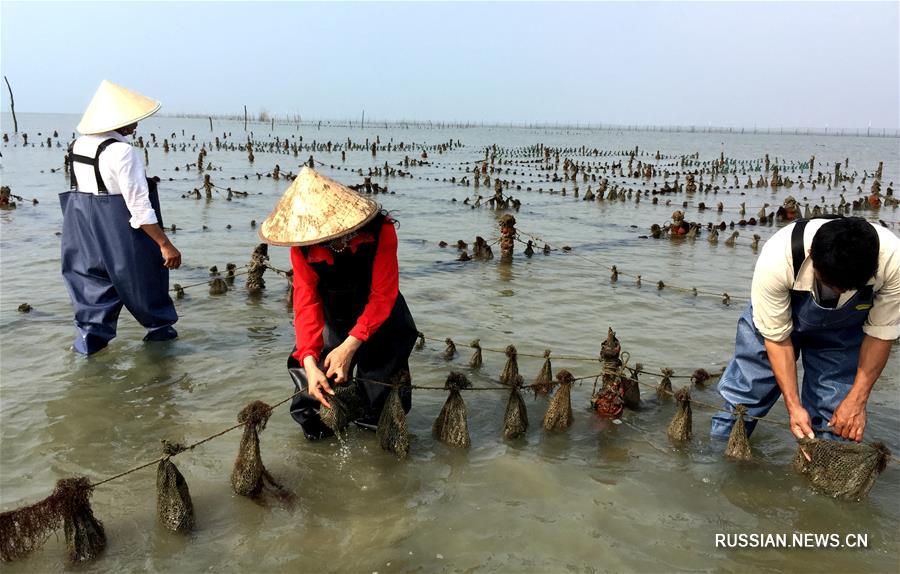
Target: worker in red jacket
{"x": 348, "y": 311}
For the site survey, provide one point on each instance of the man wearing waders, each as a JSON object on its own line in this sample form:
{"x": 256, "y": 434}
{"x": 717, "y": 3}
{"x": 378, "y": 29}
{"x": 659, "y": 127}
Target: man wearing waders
{"x": 348, "y": 310}
{"x": 114, "y": 251}
{"x": 828, "y": 290}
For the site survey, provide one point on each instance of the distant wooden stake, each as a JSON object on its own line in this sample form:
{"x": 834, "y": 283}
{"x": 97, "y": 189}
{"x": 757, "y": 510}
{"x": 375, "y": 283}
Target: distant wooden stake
{"x": 245, "y": 118}
{"x": 12, "y": 106}
{"x": 210, "y": 123}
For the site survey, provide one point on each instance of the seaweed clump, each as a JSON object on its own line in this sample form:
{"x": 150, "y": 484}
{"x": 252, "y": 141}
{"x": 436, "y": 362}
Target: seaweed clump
{"x": 510, "y": 373}
{"x": 26, "y": 529}
{"x": 450, "y": 350}
{"x": 515, "y": 419}
{"x": 664, "y": 388}
{"x": 451, "y": 426}
{"x": 738, "y": 444}
{"x": 841, "y": 469}
{"x": 559, "y": 413}
{"x": 249, "y": 473}
{"x": 174, "y": 507}
{"x": 543, "y": 384}
{"x": 680, "y": 427}
{"x": 393, "y": 432}
{"x": 476, "y": 361}
{"x": 259, "y": 262}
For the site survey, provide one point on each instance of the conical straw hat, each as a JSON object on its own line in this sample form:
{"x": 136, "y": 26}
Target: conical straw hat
{"x": 315, "y": 209}
{"x": 113, "y": 107}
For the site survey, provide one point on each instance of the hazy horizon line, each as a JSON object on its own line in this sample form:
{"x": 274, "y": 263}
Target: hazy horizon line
{"x": 298, "y": 119}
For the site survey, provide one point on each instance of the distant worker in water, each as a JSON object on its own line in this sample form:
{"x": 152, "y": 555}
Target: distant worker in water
{"x": 114, "y": 250}
{"x": 348, "y": 310}
{"x": 828, "y": 290}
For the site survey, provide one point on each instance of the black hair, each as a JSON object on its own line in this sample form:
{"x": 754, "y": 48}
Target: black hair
{"x": 845, "y": 252}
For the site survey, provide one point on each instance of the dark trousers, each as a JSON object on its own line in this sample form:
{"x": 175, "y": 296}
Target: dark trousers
{"x": 106, "y": 264}
{"x": 382, "y": 357}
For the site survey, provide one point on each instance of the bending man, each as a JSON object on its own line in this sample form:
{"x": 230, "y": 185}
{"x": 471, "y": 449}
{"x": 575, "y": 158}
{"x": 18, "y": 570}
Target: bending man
{"x": 827, "y": 290}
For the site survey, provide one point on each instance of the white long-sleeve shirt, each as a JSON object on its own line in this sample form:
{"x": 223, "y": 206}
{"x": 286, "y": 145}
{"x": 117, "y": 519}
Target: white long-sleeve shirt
{"x": 773, "y": 280}
{"x": 123, "y": 172}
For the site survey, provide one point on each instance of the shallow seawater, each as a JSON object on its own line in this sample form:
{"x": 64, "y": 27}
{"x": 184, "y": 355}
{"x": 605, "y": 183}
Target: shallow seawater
{"x": 599, "y": 497}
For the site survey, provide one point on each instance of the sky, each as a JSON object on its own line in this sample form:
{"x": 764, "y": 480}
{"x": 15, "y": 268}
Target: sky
{"x": 760, "y": 64}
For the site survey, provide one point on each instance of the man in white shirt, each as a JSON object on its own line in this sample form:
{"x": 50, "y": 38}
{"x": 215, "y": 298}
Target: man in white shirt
{"x": 827, "y": 290}
{"x": 114, "y": 250}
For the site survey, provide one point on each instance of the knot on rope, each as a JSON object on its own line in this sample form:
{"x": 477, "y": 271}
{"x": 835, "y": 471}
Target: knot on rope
{"x": 71, "y": 494}
{"x": 564, "y": 377}
{"x": 172, "y": 448}
{"x": 457, "y": 381}
{"x": 255, "y": 414}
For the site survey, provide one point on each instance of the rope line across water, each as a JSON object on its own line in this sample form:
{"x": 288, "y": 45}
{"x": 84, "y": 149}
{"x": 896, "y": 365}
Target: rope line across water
{"x": 583, "y": 358}
{"x": 243, "y": 272}
{"x": 617, "y": 372}
{"x": 190, "y": 446}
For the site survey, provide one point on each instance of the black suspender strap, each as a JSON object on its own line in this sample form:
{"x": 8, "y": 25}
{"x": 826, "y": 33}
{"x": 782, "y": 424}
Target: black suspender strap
{"x": 94, "y": 161}
{"x": 798, "y": 253}
{"x": 72, "y": 181}
{"x": 101, "y": 187}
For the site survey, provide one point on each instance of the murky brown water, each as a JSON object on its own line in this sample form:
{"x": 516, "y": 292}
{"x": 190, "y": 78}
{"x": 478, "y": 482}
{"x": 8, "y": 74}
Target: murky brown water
{"x": 597, "y": 498}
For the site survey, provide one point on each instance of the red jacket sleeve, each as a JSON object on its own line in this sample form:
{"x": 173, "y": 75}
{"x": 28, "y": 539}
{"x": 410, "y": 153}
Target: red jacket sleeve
{"x": 385, "y": 285}
{"x": 309, "y": 319}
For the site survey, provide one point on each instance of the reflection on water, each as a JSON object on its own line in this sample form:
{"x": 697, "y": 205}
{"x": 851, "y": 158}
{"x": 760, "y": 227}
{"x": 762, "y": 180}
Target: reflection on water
{"x": 100, "y": 405}
{"x": 597, "y": 497}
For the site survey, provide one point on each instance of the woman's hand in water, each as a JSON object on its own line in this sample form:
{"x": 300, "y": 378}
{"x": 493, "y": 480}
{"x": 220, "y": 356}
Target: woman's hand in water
{"x": 317, "y": 382}
{"x": 337, "y": 363}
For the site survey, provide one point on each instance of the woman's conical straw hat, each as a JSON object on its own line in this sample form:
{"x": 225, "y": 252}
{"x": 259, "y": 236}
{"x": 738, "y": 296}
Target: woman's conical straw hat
{"x": 113, "y": 107}
{"x": 315, "y": 209}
